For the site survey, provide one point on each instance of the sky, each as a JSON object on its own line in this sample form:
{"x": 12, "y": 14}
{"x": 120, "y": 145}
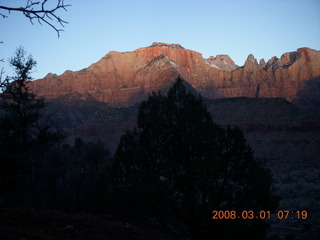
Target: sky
{"x": 264, "y": 28}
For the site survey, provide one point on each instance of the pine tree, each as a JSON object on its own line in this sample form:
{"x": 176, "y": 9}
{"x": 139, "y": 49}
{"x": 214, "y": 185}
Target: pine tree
{"x": 24, "y": 132}
{"x": 178, "y": 166}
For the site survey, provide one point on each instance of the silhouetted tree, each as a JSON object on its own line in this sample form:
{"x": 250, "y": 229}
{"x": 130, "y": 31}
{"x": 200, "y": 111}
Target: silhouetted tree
{"x": 24, "y": 133}
{"x": 40, "y": 12}
{"x": 179, "y": 166}
{"x": 79, "y": 176}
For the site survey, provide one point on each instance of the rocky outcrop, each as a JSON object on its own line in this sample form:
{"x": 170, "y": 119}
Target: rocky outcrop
{"x": 93, "y": 103}
{"x": 122, "y": 79}
{"x": 222, "y": 62}
{"x": 166, "y": 45}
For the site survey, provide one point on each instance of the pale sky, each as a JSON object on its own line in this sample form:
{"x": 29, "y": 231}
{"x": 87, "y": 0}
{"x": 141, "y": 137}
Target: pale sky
{"x": 264, "y": 28}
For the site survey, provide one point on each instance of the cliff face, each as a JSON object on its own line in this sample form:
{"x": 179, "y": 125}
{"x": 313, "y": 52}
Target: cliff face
{"x": 122, "y": 79}
{"x": 283, "y": 77}
{"x": 97, "y": 103}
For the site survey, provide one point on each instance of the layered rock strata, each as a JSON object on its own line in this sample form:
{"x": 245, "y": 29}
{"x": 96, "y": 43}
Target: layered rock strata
{"x": 122, "y": 79}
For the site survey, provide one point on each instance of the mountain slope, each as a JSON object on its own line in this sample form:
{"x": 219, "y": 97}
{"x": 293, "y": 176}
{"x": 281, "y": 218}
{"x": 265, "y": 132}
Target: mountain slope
{"x": 286, "y": 135}
{"x": 122, "y": 79}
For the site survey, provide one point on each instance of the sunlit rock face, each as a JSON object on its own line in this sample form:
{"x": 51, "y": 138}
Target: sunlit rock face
{"x": 124, "y": 78}
{"x": 100, "y": 102}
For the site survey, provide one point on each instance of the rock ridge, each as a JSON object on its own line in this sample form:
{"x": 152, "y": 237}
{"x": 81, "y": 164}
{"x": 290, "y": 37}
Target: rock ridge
{"x": 122, "y": 79}
{"x": 167, "y": 45}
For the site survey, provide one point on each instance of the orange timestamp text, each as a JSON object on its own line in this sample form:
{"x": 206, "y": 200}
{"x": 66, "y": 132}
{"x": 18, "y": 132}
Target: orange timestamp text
{"x": 249, "y": 214}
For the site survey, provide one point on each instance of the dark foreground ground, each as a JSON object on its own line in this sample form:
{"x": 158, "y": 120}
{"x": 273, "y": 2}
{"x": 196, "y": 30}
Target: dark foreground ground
{"x": 51, "y": 225}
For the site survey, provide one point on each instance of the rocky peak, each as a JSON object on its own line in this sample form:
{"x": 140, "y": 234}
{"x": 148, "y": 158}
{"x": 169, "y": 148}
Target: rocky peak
{"x": 224, "y": 58}
{"x": 123, "y": 78}
{"x": 287, "y": 59}
{"x": 308, "y": 55}
{"x": 251, "y": 63}
{"x": 166, "y": 45}
{"x": 51, "y": 76}
{"x": 222, "y": 62}
{"x": 262, "y": 63}
{"x": 251, "y": 59}
{"x": 273, "y": 62}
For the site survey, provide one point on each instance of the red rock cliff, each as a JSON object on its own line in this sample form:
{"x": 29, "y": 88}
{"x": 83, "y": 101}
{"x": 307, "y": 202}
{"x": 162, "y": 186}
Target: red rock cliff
{"x": 122, "y": 79}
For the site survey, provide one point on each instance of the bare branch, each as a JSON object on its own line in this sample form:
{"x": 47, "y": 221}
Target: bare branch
{"x": 1, "y": 74}
{"x": 3, "y": 83}
{"x": 2, "y": 15}
{"x": 37, "y": 10}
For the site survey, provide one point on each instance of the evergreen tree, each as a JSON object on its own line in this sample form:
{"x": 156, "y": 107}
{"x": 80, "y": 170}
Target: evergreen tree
{"x": 79, "y": 177}
{"x": 24, "y": 132}
{"x": 179, "y": 166}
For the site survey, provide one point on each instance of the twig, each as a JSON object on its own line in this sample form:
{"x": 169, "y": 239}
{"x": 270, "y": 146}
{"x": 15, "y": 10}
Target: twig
{"x": 41, "y": 14}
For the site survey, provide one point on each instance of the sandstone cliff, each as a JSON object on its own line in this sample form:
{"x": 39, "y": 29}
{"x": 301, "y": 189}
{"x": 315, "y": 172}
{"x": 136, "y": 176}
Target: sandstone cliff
{"x": 122, "y": 79}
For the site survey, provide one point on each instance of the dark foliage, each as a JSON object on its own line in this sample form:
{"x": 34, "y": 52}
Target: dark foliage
{"x": 24, "y": 133}
{"x": 178, "y": 166}
{"x": 77, "y": 176}
{"x": 37, "y": 169}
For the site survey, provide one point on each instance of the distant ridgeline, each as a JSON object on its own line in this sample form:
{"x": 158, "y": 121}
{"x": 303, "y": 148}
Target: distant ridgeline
{"x": 122, "y": 79}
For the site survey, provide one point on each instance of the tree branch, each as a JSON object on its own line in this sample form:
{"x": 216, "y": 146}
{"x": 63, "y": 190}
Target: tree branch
{"x": 37, "y": 10}
{"x": 3, "y": 83}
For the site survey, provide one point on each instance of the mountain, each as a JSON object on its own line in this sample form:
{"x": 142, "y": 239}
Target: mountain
{"x": 276, "y": 103}
{"x": 101, "y": 102}
{"x": 288, "y": 136}
{"x": 122, "y": 79}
